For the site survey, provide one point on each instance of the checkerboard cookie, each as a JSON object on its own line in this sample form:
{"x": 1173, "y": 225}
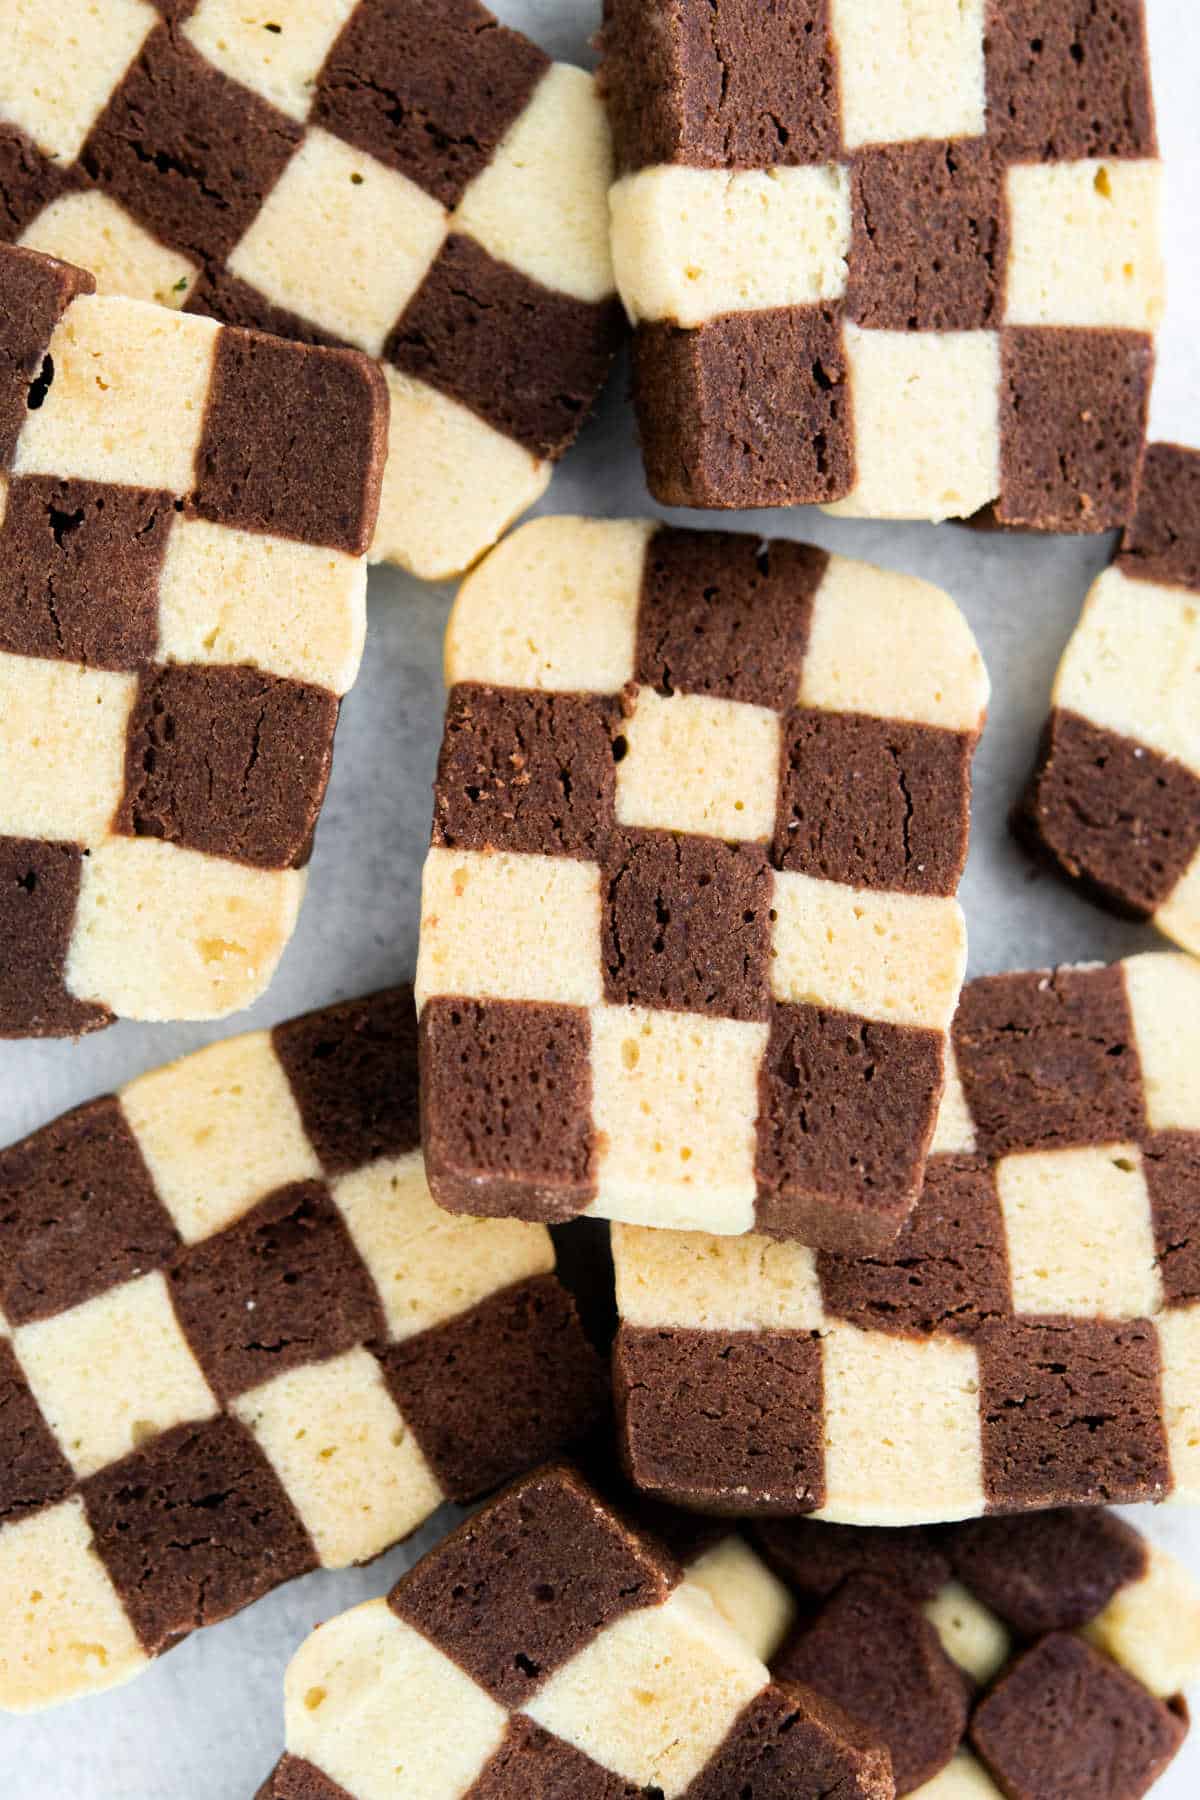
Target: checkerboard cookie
{"x": 184, "y": 515}
{"x": 989, "y": 1657}
{"x": 1115, "y": 797}
{"x": 548, "y": 1649}
{"x": 238, "y": 1342}
{"x": 689, "y": 946}
{"x": 403, "y": 176}
{"x": 1032, "y": 1338}
{"x": 899, "y": 259}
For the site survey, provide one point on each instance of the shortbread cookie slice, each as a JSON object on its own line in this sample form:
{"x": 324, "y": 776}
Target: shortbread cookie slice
{"x": 407, "y": 177}
{"x": 689, "y": 941}
{"x": 1029, "y": 1340}
{"x": 905, "y": 264}
{"x": 547, "y": 1649}
{"x": 1115, "y": 798}
{"x": 238, "y": 1341}
{"x": 185, "y": 511}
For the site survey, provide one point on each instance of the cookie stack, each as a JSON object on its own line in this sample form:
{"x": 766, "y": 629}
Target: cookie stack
{"x": 803, "y": 1491}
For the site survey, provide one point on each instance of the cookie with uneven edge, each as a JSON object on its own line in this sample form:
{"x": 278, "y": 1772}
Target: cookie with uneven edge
{"x": 406, "y": 177}
{"x": 1115, "y": 799}
{"x": 1032, "y": 1337}
{"x": 689, "y": 942}
{"x": 185, "y": 510}
{"x": 938, "y": 1640}
{"x": 904, "y": 267}
{"x": 502, "y": 1665}
{"x": 238, "y": 1341}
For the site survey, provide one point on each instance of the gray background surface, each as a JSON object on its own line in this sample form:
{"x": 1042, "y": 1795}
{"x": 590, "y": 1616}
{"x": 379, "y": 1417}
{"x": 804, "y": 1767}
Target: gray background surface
{"x": 205, "y": 1722}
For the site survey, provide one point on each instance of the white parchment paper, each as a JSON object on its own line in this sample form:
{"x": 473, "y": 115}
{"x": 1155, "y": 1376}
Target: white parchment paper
{"x": 205, "y": 1722}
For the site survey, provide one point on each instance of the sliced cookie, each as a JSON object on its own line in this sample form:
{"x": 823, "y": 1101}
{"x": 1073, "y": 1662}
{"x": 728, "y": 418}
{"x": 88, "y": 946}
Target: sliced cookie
{"x": 909, "y": 269}
{"x": 406, "y": 177}
{"x": 1031, "y": 1339}
{"x": 689, "y": 941}
{"x": 185, "y": 510}
{"x": 238, "y": 1341}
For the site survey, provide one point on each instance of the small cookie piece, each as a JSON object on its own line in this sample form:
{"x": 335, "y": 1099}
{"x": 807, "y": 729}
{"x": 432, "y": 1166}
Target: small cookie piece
{"x": 238, "y": 1341}
{"x": 405, "y": 177}
{"x": 904, "y": 266}
{"x": 185, "y": 511}
{"x": 1115, "y": 799}
{"x": 504, "y": 1663}
{"x": 1030, "y": 1339}
{"x": 689, "y": 941}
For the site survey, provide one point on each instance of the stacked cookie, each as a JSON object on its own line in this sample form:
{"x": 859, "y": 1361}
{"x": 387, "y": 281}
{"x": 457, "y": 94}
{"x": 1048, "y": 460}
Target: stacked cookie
{"x": 906, "y": 1280}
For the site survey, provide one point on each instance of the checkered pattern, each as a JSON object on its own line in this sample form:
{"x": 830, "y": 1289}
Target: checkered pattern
{"x": 239, "y": 1341}
{"x": 182, "y": 605}
{"x": 1115, "y": 798}
{"x": 887, "y": 1624}
{"x": 456, "y": 1685}
{"x": 402, "y": 176}
{"x": 1031, "y": 1340}
{"x": 689, "y": 947}
{"x": 901, "y": 259}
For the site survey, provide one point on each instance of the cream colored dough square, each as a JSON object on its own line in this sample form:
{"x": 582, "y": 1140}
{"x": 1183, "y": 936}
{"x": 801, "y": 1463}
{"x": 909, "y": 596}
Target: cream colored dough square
{"x": 428, "y": 1265}
{"x": 1179, "y": 915}
{"x": 383, "y": 1713}
{"x": 1084, "y": 245}
{"x": 219, "y": 1131}
{"x": 60, "y": 63}
{"x": 691, "y": 1278}
{"x": 62, "y": 748}
{"x": 166, "y": 933}
{"x": 541, "y": 203}
{"x": 503, "y": 926}
{"x": 746, "y": 1594}
{"x": 231, "y": 596}
{"x": 909, "y": 69}
{"x": 275, "y": 48}
{"x": 692, "y": 244}
{"x": 1164, "y": 998}
{"x": 701, "y": 765}
{"x": 963, "y": 1778}
{"x": 95, "y": 233}
{"x": 554, "y": 607}
{"x": 342, "y": 240}
{"x": 1133, "y": 665}
{"x": 1152, "y": 1626}
{"x": 65, "y": 1630}
{"x": 690, "y": 1674}
{"x": 971, "y": 1636}
{"x": 113, "y": 1372}
{"x": 898, "y": 958}
{"x": 451, "y": 485}
{"x": 128, "y": 398}
{"x": 1179, "y": 1344}
{"x": 954, "y": 1133}
{"x": 350, "y": 1464}
{"x": 926, "y": 423}
{"x": 1079, "y": 1232}
{"x": 903, "y": 1442}
{"x": 674, "y": 1104}
{"x": 893, "y": 647}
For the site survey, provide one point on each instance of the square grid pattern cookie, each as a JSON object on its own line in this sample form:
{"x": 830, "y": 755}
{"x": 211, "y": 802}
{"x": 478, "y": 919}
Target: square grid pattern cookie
{"x": 897, "y": 255}
{"x": 1115, "y": 798}
{"x": 689, "y": 947}
{"x": 547, "y": 1649}
{"x": 184, "y": 515}
{"x": 238, "y": 1341}
{"x": 403, "y": 176}
{"x": 1022, "y": 1646}
{"x": 1032, "y": 1338}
